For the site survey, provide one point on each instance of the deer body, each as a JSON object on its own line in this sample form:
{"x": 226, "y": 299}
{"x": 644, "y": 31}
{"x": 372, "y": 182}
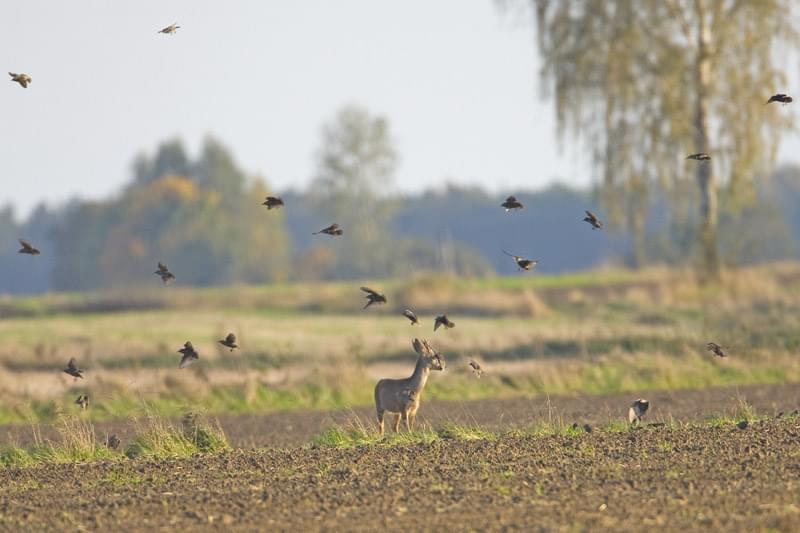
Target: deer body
{"x": 402, "y": 396}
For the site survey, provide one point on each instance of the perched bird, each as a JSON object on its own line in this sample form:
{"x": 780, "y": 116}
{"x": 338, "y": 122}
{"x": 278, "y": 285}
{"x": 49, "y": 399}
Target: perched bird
{"x": 27, "y": 248}
{"x": 587, "y": 428}
{"x": 512, "y": 204}
{"x": 743, "y": 424}
{"x": 373, "y": 297}
{"x": 171, "y": 29}
{"x": 83, "y": 401}
{"x": 229, "y": 341}
{"x": 699, "y": 157}
{"x": 442, "y": 320}
{"x": 331, "y": 230}
{"x": 72, "y": 369}
{"x": 780, "y": 97}
{"x": 189, "y": 355}
{"x": 112, "y": 442}
{"x": 716, "y": 349}
{"x": 476, "y": 368}
{"x": 409, "y": 314}
{"x": 166, "y": 276}
{"x": 637, "y": 410}
{"x": 273, "y": 201}
{"x": 522, "y": 263}
{"x": 593, "y": 221}
{"x": 22, "y": 79}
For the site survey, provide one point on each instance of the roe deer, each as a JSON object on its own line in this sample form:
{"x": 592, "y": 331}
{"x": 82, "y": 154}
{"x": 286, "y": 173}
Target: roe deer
{"x": 402, "y": 396}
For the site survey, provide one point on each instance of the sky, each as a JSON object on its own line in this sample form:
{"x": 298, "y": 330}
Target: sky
{"x": 457, "y": 79}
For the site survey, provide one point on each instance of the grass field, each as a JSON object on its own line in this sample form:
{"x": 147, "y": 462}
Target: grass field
{"x": 310, "y": 346}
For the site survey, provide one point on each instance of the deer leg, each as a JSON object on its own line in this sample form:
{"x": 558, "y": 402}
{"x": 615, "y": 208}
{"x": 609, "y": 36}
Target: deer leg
{"x": 380, "y": 421}
{"x": 407, "y": 419}
{"x": 396, "y": 423}
{"x": 410, "y": 420}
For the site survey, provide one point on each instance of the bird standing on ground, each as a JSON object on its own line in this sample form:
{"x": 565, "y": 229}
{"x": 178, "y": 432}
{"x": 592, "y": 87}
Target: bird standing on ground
{"x": 442, "y": 320}
{"x": 83, "y": 401}
{"x": 373, "y": 297}
{"x": 22, "y": 79}
{"x": 172, "y": 29}
{"x": 72, "y": 369}
{"x": 331, "y": 230}
{"x": 780, "y": 97}
{"x": 112, "y": 442}
{"x": 701, "y": 156}
{"x": 637, "y": 410}
{"x": 166, "y": 276}
{"x": 512, "y": 204}
{"x": 190, "y": 355}
{"x": 273, "y": 202}
{"x": 522, "y": 263}
{"x": 716, "y": 349}
{"x": 409, "y": 314}
{"x": 593, "y": 221}
{"x": 476, "y": 368}
{"x": 27, "y": 248}
{"x": 229, "y": 341}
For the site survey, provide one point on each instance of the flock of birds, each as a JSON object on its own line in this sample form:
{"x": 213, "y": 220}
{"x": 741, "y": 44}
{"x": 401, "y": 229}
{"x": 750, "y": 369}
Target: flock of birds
{"x": 189, "y": 354}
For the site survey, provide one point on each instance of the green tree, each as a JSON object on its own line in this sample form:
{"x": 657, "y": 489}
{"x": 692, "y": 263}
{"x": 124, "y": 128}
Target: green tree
{"x": 355, "y": 171}
{"x": 644, "y": 82}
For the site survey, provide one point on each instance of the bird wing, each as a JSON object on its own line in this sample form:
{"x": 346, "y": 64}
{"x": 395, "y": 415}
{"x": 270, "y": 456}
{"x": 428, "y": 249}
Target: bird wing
{"x": 369, "y": 291}
{"x": 438, "y": 322}
{"x": 231, "y": 338}
{"x": 591, "y": 216}
{"x": 25, "y": 244}
{"x": 72, "y": 364}
{"x": 187, "y": 359}
{"x": 24, "y": 83}
{"x": 409, "y": 314}
{"x": 162, "y": 267}
{"x": 511, "y": 200}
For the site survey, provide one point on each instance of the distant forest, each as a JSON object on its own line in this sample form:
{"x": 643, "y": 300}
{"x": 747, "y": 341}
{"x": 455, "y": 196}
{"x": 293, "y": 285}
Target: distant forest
{"x": 204, "y": 218}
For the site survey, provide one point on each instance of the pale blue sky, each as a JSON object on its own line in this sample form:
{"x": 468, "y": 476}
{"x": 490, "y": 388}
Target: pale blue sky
{"x": 457, "y": 79}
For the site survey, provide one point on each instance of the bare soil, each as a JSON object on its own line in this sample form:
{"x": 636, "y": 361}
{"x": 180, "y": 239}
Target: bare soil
{"x": 653, "y": 478}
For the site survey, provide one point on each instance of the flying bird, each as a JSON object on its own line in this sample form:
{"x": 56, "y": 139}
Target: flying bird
{"x": 522, "y": 263}
{"x": 701, "y": 156}
{"x": 27, "y": 248}
{"x": 83, "y": 401}
{"x": 409, "y": 314}
{"x": 229, "y": 341}
{"x": 72, "y": 369}
{"x": 163, "y": 272}
{"x": 273, "y": 202}
{"x": 442, "y": 320}
{"x": 170, "y": 30}
{"x": 22, "y": 79}
{"x": 716, "y": 349}
{"x": 373, "y": 297}
{"x": 331, "y": 230}
{"x": 512, "y": 204}
{"x": 189, "y": 355}
{"x": 593, "y": 221}
{"x": 476, "y": 368}
{"x": 780, "y": 97}
{"x": 637, "y": 410}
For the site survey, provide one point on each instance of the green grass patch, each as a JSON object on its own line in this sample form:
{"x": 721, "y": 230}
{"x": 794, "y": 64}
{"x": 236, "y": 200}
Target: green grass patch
{"x": 158, "y": 438}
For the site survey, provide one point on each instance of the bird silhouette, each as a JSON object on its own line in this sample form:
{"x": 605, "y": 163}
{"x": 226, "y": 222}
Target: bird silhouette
{"x": 27, "y": 248}
{"x": 190, "y": 355}
{"x": 442, "y": 320}
{"x": 163, "y": 272}
{"x": 409, "y": 314}
{"x": 229, "y": 341}
{"x": 273, "y": 202}
{"x": 637, "y": 410}
{"x": 331, "y": 230}
{"x": 170, "y": 30}
{"x": 22, "y": 79}
{"x": 780, "y": 97}
{"x": 83, "y": 401}
{"x": 72, "y": 369}
{"x": 476, "y": 368}
{"x": 700, "y": 156}
{"x": 512, "y": 204}
{"x": 716, "y": 349}
{"x": 373, "y": 297}
{"x": 522, "y": 263}
{"x": 593, "y": 221}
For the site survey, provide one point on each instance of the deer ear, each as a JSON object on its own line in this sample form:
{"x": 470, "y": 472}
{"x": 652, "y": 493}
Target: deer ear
{"x": 417, "y": 346}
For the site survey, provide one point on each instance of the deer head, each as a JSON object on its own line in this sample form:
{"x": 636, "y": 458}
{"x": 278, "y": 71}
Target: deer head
{"x": 432, "y": 358}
